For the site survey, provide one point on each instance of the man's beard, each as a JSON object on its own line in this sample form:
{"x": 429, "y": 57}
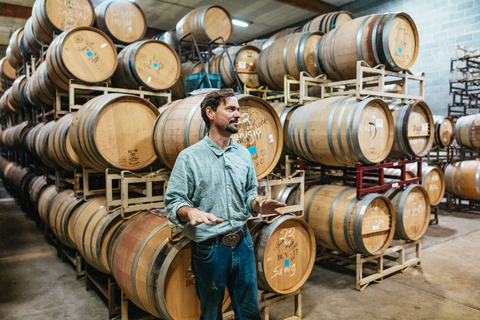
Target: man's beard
{"x": 232, "y": 129}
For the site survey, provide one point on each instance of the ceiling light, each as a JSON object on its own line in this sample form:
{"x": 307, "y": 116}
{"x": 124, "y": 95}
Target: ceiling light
{"x": 240, "y": 23}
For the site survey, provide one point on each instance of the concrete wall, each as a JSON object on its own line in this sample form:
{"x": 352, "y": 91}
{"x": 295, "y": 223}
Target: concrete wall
{"x": 441, "y": 25}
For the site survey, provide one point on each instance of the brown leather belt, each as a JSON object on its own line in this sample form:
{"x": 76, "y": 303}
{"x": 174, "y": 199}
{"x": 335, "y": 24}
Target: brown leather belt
{"x": 228, "y": 239}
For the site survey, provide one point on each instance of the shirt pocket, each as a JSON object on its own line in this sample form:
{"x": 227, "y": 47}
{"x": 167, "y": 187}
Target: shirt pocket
{"x": 240, "y": 176}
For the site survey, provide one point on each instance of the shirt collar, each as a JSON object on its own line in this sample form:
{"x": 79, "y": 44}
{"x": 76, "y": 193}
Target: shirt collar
{"x": 216, "y": 149}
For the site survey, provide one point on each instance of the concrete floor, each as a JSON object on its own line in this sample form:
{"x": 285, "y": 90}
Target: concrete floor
{"x": 36, "y": 284}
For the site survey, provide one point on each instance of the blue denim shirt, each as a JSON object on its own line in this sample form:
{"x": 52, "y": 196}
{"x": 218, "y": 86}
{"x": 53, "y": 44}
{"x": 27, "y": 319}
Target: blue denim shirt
{"x": 220, "y": 182}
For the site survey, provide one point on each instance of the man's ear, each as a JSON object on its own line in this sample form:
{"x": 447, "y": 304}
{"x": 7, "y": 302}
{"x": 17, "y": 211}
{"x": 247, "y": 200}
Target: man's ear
{"x": 210, "y": 113}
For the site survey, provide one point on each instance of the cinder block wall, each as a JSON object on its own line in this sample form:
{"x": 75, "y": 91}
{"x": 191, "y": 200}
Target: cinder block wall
{"x": 441, "y": 25}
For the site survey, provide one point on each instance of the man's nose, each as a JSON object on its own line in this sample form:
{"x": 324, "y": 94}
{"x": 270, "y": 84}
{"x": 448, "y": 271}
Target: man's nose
{"x": 237, "y": 114}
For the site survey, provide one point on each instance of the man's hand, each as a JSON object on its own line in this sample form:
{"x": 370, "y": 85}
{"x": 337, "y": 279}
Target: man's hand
{"x": 196, "y": 216}
{"x": 267, "y": 206}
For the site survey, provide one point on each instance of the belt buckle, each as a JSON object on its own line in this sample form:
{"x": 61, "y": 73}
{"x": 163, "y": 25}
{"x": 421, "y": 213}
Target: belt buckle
{"x": 230, "y": 239}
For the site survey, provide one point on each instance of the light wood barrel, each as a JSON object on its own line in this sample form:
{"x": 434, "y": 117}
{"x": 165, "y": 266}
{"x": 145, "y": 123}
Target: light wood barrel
{"x": 286, "y": 194}
{"x": 285, "y": 254}
{"x": 285, "y": 113}
{"x": 84, "y": 54}
{"x": 153, "y": 272}
{"x": 341, "y": 222}
{"x": 44, "y": 203}
{"x": 19, "y": 133}
{"x": 16, "y": 93}
{"x": 7, "y": 72}
{"x": 29, "y": 40}
{"x": 341, "y": 131}
{"x": 41, "y": 144}
{"x": 188, "y": 68}
{"x": 397, "y": 172}
{"x": 444, "y": 131}
{"x": 279, "y": 35}
{"x": 60, "y": 148}
{"x": 389, "y": 39}
{"x": 51, "y": 16}
{"x": 6, "y": 106}
{"x": 93, "y": 230}
{"x": 32, "y": 137}
{"x": 328, "y": 21}
{"x": 412, "y": 208}
{"x": 39, "y": 90}
{"x": 62, "y": 212}
{"x": 114, "y": 131}
{"x": 36, "y": 190}
{"x": 289, "y": 55}
{"x": 433, "y": 181}
{"x": 206, "y": 24}
{"x": 170, "y": 38}
{"x": 152, "y": 64}
{"x": 414, "y": 129}
{"x": 122, "y": 20}
{"x": 259, "y": 43}
{"x": 463, "y": 179}
{"x": 258, "y": 121}
{"x": 467, "y": 131}
{"x": 13, "y": 52}
{"x": 244, "y": 59}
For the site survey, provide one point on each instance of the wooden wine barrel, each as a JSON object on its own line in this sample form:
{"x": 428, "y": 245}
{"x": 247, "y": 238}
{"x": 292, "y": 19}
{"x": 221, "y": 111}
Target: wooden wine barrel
{"x": 259, "y": 43}
{"x": 6, "y": 106}
{"x": 412, "y": 208}
{"x": 153, "y": 272}
{"x": 63, "y": 208}
{"x": 60, "y": 148}
{"x": 51, "y": 16}
{"x": 15, "y": 179}
{"x": 19, "y": 133}
{"x": 39, "y": 90}
{"x": 206, "y": 24}
{"x": 285, "y": 254}
{"x": 41, "y": 144}
{"x": 341, "y": 131}
{"x": 259, "y": 120}
{"x": 444, "y": 131}
{"x": 286, "y": 194}
{"x": 114, "y": 131}
{"x": 463, "y": 179}
{"x": 467, "y": 131}
{"x": 44, "y": 203}
{"x": 29, "y": 40}
{"x": 328, "y": 21}
{"x": 122, "y": 20}
{"x": 414, "y": 128}
{"x": 433, "y": 181}
{"x": 93, "y": 229}
{"x": 170, "y": 38}
{"x": 16, "y": 93}
{"x": 285, "y": 114}
{"x": 32, "y": 137}
{"x": 187, "y": 68}
{"x": 9, "y": 166}
{"x": 244, "y": 60}
{"x": 279, "y": 35}
{"x": 390, "y": 39}
{"x": 152, "y": 64}
{"x": 37, "y": 189}
{"x": 289, "y": 55}
{"x": 341, "y": 222}
{"x": 83, "y": 54}
{"x": 396, "y": 173}
{"x": 14, "y": 54}
{"x": 7, "y": 72}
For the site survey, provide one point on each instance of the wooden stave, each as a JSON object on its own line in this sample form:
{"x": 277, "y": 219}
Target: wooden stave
{"x": 195, "y": 129}
{"x": 57, "y": 144}
{"x": 347, "y": 155}
{"x": 100, "y": 21}
{"x": 39, "y": 90}
{"x": 14, "y": 54}
{"x": 354, "y": 242}
{"x": 196, "y": 25}
{"x": 16, "y": 98}
{"x": 86, "y": 150}
{"x": 321, "y": 21}
{"x": 259, "y": 43}
{"x": 7, "y": 71}
{"x": 439, "y": 122}
{"x": 275, "y": 78}
{"x": 36, "y": 189}
{"x": 41, "y": 144}
{"x": 374, "y": 52}
{"x": 261, "y": 235}
{"x": 466, "y": 131}
{"x": 19, "y": 133}
{"x": 32, "y": 137}
{"x": 33, "y": 44}
{"x": 93, "y": 217}
{"x": 285, "y": 114}
{"x": 227, "y": 71}
{"x": 280, "y": 34}
{"x": 401, "y": 114}
{"x": 126, "y": 74}
{"x": 5, "y": 102}
{"x": 398, "y": 197}
{"x": 463, "y": 179}
{"x": 44, "y": 201}
{"x": 170, "y": 38}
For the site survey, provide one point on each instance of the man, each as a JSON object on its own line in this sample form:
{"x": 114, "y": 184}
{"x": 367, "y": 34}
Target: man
{"x": 211, "y": 193}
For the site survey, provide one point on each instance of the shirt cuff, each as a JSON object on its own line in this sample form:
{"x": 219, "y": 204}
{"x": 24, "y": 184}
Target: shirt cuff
{"x": 249, "y": 207}
{"x": 172, "y": 214}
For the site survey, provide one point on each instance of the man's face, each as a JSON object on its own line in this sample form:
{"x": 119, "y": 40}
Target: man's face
{"x": 227, "y": 115}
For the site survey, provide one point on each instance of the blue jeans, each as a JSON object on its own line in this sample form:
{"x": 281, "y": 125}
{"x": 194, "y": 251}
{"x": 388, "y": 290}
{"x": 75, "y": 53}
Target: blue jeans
{"x": 217, "y": 267}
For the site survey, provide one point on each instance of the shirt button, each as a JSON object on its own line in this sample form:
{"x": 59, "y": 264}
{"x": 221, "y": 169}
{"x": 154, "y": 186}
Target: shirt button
{"x": 228, "y": 186}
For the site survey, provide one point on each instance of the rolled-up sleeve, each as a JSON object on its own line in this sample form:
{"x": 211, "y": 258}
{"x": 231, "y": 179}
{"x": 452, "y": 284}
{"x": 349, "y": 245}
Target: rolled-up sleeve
{"x": 180, "y": 190}
{"x": 251, "y": 190}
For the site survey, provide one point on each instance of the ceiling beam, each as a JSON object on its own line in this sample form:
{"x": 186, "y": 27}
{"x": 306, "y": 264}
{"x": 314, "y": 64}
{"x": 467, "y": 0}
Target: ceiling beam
{"x": 316, "y": 6}
{"x": 15, "y": 11}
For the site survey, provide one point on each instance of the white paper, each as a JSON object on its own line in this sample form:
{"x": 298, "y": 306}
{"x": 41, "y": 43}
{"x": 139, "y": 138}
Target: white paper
{"x": 394, "y": 185}
{"x": 425, "y": 127}
{"x": 149, "y": 79}
{"x": 242, "y": 65}
{"x": 379, "y": 123}
{"x": 375, "y": 227}
{"x": 103, "y": 45}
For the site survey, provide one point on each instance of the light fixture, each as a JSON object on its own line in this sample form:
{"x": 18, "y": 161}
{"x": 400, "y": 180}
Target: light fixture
{"x": 240, "y": 23}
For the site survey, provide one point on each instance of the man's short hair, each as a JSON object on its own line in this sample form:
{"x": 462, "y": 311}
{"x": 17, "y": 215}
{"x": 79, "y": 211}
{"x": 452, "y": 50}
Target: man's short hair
{"x": 213, "y": 100}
